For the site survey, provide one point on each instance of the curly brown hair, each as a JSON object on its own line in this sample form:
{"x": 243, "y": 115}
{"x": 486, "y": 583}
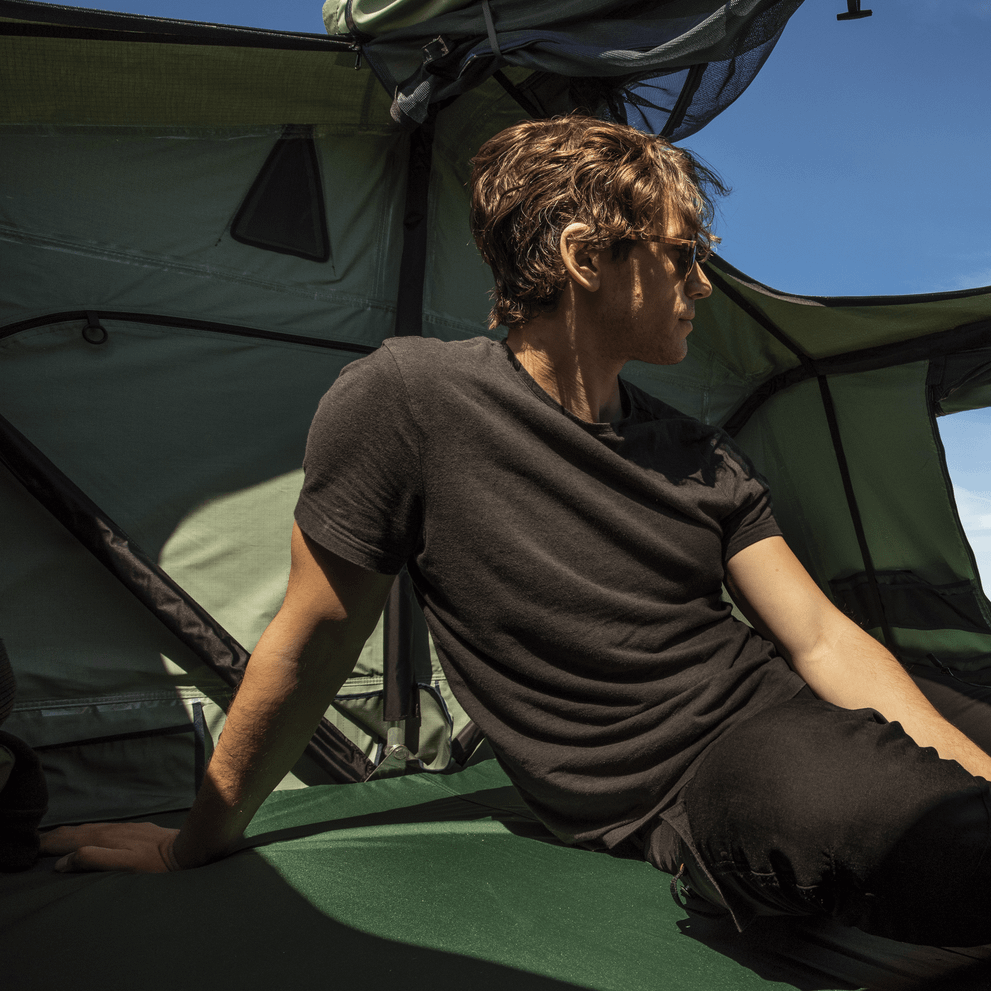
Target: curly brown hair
{"x": 533, "y": 179}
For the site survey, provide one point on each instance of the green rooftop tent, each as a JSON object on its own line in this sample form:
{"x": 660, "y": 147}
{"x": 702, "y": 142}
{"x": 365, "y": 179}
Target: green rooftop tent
{"x": 199, "y": 227}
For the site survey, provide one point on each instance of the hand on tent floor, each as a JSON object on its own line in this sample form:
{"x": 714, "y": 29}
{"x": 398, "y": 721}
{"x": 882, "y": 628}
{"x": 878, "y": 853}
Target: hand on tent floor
{"x": 137, "y": 847}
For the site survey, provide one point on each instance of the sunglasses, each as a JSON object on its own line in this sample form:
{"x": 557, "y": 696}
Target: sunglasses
{"x": 690, "y": 253}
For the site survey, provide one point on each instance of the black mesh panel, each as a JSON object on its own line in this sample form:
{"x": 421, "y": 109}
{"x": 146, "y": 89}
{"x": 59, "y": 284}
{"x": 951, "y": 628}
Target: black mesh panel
{"x": 284, "y": 209}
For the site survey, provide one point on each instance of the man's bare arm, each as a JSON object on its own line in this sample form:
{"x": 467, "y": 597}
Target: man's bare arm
{"x": 839, "y": 661}
{"x": 298, "y": 666}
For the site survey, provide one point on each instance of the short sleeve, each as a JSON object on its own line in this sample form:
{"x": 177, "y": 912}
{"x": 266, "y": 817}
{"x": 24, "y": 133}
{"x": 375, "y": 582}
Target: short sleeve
{"x": 362, "y": 492}
{"x": 752, "y": 516}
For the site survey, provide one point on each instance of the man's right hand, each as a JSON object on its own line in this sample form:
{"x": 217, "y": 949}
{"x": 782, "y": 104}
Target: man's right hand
{"x": 297, "y": 668}
{"x": 136, "y": 847}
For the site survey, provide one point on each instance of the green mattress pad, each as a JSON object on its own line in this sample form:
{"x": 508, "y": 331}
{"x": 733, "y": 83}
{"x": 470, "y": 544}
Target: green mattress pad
{"x": 425, "y": 882}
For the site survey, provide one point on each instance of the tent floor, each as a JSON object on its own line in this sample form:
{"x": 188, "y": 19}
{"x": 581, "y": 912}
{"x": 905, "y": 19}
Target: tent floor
{"x": 439, "y": 882}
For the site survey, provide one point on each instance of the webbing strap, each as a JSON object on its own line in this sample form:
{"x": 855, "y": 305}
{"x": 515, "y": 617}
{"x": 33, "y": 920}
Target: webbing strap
{"x": 399, "y": 694}
{"x": 490, "y": 28}
{"x": 413, "y": 264}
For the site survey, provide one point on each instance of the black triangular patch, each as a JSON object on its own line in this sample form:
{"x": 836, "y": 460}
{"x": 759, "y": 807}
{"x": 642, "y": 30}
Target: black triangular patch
{"x": 284, "y": 209}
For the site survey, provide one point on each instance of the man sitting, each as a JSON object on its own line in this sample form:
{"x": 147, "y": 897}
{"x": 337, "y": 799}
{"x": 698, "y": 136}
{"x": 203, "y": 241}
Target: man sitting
{"x": 568, "y": 537}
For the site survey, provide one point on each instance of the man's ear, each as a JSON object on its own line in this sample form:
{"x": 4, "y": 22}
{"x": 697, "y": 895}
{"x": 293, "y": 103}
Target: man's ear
{"x": 580, "y": 261}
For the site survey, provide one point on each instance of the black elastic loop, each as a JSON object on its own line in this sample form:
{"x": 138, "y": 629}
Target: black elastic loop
{"x": 94, "y": 332}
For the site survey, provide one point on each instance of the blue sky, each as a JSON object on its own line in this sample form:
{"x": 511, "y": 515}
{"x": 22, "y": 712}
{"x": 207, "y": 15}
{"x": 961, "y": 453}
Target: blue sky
{"x": 858, "y": 160}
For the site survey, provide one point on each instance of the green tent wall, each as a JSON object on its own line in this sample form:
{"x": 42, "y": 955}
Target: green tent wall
{"x": 165, "y": 336}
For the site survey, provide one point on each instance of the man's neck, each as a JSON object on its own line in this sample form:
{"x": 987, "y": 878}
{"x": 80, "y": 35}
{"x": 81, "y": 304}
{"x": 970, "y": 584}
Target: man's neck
{"x": 567, "y": 369}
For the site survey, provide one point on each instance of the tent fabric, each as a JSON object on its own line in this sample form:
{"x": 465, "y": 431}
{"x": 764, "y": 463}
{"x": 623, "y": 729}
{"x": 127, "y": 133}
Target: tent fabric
{"x": 50, "y": 79}
{"x": 433, "y": 883}
{"x": 170, "y": 371}
{"x": 757, "y": 363}
{"x": 713, "y": 49}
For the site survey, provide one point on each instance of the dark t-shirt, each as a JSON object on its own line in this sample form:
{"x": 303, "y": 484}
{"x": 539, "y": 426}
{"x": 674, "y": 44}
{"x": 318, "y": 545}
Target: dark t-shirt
{"x": 570, "y": 572}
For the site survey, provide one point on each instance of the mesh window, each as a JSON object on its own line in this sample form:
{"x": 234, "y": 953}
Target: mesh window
{"x": 284, "y": 209}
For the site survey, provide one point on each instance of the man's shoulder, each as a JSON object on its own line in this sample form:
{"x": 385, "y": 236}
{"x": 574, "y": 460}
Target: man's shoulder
{"x": 418, "y": 361}
{"x": 429, "y": 352}
{"x": 426, "y": 363}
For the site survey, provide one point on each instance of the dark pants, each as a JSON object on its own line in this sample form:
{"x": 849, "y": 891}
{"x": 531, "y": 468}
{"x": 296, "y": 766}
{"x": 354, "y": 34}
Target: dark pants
{"x": 809, "y": 809}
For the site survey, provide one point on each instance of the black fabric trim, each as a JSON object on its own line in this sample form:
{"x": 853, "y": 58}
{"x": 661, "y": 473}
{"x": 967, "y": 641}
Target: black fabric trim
{"x": 841, "y": 301}
{"x": 412, "y": 266}
{"x": 329, "y": 748}
{"x": 525, "y": 102}
{"x": 965, "y": 337}
{"x": 199, "y": 749}
{"x": 912, "y": 602}
{"x": 334, "y": 753}
{"x": 851, "y": 499}
{"x": 934, "y": 385}
{"x": 145, "y": 37}
{"x": 756, "y": 313}
{"x": 8, "y": 684}
{"x": 283, "y": 211}
{"x": 948, "y": 373}
{"x": 466, "y": 743}
{"x": 59, "y": 21}
{"x": 181, "y": 615}
{"x": 157, "y": 320}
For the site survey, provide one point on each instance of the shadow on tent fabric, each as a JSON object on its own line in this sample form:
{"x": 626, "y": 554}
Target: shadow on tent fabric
{"x": 447, "y": 893}
{"x": 794, "y": 949}
{"x": 808, "y": 955}
{"x": 234, "y": 924}
{"x": 501, "y": 804}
